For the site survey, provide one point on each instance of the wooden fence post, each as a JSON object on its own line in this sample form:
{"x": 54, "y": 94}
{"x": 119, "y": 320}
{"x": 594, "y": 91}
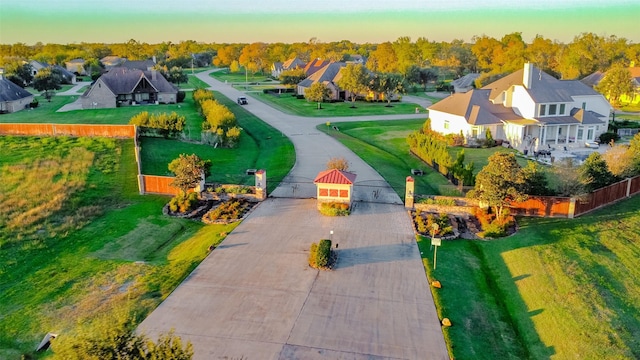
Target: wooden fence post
{"x": 572, "y": 208}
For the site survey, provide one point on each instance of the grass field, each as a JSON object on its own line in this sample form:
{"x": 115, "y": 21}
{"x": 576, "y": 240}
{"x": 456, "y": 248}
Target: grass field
{"x": 239, "y": 77}
{"x": 382, "y": 144}
{"x": 291, "y": 105}
{"x": 559, "y": 288}
{"x": 77, "y": 240}
{"x": 261, "y": 147}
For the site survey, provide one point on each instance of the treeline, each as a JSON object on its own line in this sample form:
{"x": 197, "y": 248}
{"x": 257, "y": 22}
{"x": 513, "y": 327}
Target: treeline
{"x": 584, "y": 55}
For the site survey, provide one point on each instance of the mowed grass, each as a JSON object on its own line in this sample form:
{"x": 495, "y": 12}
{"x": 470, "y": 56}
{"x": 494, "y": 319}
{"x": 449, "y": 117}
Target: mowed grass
{"x": 559, "y": 288}
{"x": 239, "y": 77}
{"x": 480, "y": 156}
{"x": 382, "y": 144}
{"x": 90, "y": 243}
{"x": 261, "y": 147}
{"x": 291, "y": 105}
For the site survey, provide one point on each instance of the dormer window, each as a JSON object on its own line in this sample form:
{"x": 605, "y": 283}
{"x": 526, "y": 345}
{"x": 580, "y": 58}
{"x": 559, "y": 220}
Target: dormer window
{"x": 543, "y": 109}
{"x": 552, "y": 109}
{"x": 562, "y": 108}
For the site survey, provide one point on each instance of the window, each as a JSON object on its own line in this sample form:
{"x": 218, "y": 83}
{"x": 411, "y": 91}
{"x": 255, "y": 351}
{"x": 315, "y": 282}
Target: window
{"x": 580, "y": 133}
{"x": 584, "y": 106}
{"x": 446, "y": 124}
{"x": 590, "y": 133}
{"x": 543, "y": 108}
{"x": 552, "y": 109}
{"x": 333, "y": 192}
{"x": 561, "y": 109}
{"x": 324, "y": 192}
{"x": 344, "y": 193}
{"x": 559, "y": 130}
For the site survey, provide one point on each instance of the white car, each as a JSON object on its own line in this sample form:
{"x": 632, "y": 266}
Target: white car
{"x": 242, "y": 100}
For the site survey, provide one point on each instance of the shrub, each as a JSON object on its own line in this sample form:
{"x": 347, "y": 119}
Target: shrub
{"x": 334, "y": 209}
{"x": 323, "y": 254}
{"x": 183, "y": 202}
{"x": 34, "y": 103}
{"x": 313, "y": 252}
{"x": 181, "y": 96}
{"x": 228, "y": 211}
{"x": 605, "y": 138}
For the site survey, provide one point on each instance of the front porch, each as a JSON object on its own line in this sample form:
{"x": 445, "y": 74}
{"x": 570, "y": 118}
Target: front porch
{"x": 560, "y": 136}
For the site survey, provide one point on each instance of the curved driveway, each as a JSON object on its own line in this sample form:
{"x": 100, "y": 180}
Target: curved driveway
{"x": 254, "y": 297}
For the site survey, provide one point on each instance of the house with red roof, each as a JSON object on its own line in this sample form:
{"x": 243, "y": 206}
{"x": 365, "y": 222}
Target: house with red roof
{"x": 335, "y": 186}
{"x": 529, "y": 108}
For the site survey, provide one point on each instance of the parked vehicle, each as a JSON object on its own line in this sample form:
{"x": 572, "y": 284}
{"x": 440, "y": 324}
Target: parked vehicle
{"x": 242, "y": 100}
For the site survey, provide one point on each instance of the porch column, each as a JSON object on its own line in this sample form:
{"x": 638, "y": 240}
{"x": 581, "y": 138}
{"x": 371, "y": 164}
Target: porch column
{"x": 556, "y": 130}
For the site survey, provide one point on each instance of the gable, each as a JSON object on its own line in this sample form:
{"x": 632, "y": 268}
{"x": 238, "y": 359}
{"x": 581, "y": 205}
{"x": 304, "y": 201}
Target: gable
{"x": 335, "y": 176}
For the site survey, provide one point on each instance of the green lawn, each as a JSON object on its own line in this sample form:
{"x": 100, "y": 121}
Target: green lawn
{"x": 78, "y": 240}
{"x": 480, "y": 156}
{"x": 261, "y": 147}
{"x": 382, "y": 144}
{"x": 239, "y": 77}
{"x": 291, "y": 105}
{"x": 558, "y": 288}
{"x": 193, "y": 83}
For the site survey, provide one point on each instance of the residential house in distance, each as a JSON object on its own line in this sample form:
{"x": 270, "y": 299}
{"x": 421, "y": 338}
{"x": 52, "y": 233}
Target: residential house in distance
{"x": 12, "y": 97}
{"x": 356, "y": 59}
{"x": 315, "y": 65}
{"x": 139, "y": 64}
{"x": 67, "y": 76}
{"x": 76, "y": 66}
{"x": 112, "y": 61}
{"x": 529, "y": 108}
{"x": 122, "y": 87}
{"x": 465, "y": 83}
{"x": 594, "y": 79}
{"x": 327, "y": 75}
{"x": 277, "y": 68}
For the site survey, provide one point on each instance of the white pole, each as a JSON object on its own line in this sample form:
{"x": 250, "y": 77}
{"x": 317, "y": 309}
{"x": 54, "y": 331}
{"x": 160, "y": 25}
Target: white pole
{"x": 435, "y": 255}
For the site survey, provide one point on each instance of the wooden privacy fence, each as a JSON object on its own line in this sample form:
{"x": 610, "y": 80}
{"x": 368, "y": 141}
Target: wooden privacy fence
{"x": 151, "y": 184}
{"x": 552, "y": 206}
{"x": 113, "y": 131}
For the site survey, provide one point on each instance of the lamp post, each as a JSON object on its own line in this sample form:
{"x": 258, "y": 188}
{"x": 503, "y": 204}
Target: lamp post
{"x": 435, "y": 242}
{"x": 331, "y": 235}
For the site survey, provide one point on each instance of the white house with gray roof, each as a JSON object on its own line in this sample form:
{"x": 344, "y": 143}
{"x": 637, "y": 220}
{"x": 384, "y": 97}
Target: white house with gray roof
{"x": 529, "y": 108}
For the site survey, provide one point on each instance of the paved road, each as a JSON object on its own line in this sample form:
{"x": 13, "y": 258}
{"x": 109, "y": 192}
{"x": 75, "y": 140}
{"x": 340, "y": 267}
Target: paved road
{"x": 254, "y": 297}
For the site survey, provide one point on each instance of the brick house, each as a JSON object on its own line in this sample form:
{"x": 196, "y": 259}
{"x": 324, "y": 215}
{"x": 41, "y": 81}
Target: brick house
{"x": 122, "y": 87}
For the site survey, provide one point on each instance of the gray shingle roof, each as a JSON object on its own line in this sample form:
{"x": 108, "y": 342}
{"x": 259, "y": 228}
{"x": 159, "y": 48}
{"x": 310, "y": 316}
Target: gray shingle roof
{"x": 123, "y": 81}
{"x": 329, "y": 73}
{"x": 11, "y": 92}
{"x": 544, "y": 88}
{"x": 475, "y": 106}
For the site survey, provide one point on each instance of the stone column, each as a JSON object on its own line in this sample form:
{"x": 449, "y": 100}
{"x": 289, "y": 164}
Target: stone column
{"x": 409, "y": 192}
{"x": 261, "y": 184}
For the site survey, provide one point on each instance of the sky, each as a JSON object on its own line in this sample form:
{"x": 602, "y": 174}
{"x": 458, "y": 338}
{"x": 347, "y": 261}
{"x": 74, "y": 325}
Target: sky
{"x": 288, "y": 21}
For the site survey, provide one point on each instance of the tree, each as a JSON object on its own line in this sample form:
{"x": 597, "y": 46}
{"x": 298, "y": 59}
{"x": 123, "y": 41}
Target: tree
{"x": 535, "y": 178}
{"x": 254, "y": 57}
{"x": 317, "y": 92}
{"x": 189, "y": 170}
{"x": 595, "y": 174}
{"x": 177, "y": 75}
{"x": 383, "y": 58}
{"x": 338, "y": 163}
{"x": 615, "y": 83}
{"x": 20, "y": 74}
{"x": 292, "y": 77}
{"x": 567, "y": 178}
{"x": 389, "y": 85}
{"x": 620, "y": 161}
{"x": 634, "y": 149}
{"x": 354, "y": 80}
{"x": 47, "y": 80}
{"x": 500, "y": 183}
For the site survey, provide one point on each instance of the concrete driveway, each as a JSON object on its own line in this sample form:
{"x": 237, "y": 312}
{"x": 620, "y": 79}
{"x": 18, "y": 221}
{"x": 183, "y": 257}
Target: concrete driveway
{"x": 255, "y": 297}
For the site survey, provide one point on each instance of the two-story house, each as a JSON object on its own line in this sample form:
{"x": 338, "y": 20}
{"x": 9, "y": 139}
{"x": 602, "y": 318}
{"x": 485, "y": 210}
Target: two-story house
{"x": 529, "y": 108}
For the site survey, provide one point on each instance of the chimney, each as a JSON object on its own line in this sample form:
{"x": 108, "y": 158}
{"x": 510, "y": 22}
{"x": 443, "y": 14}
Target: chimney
{"x": 527, "y": 76}
{"x": 154, "y": 75}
